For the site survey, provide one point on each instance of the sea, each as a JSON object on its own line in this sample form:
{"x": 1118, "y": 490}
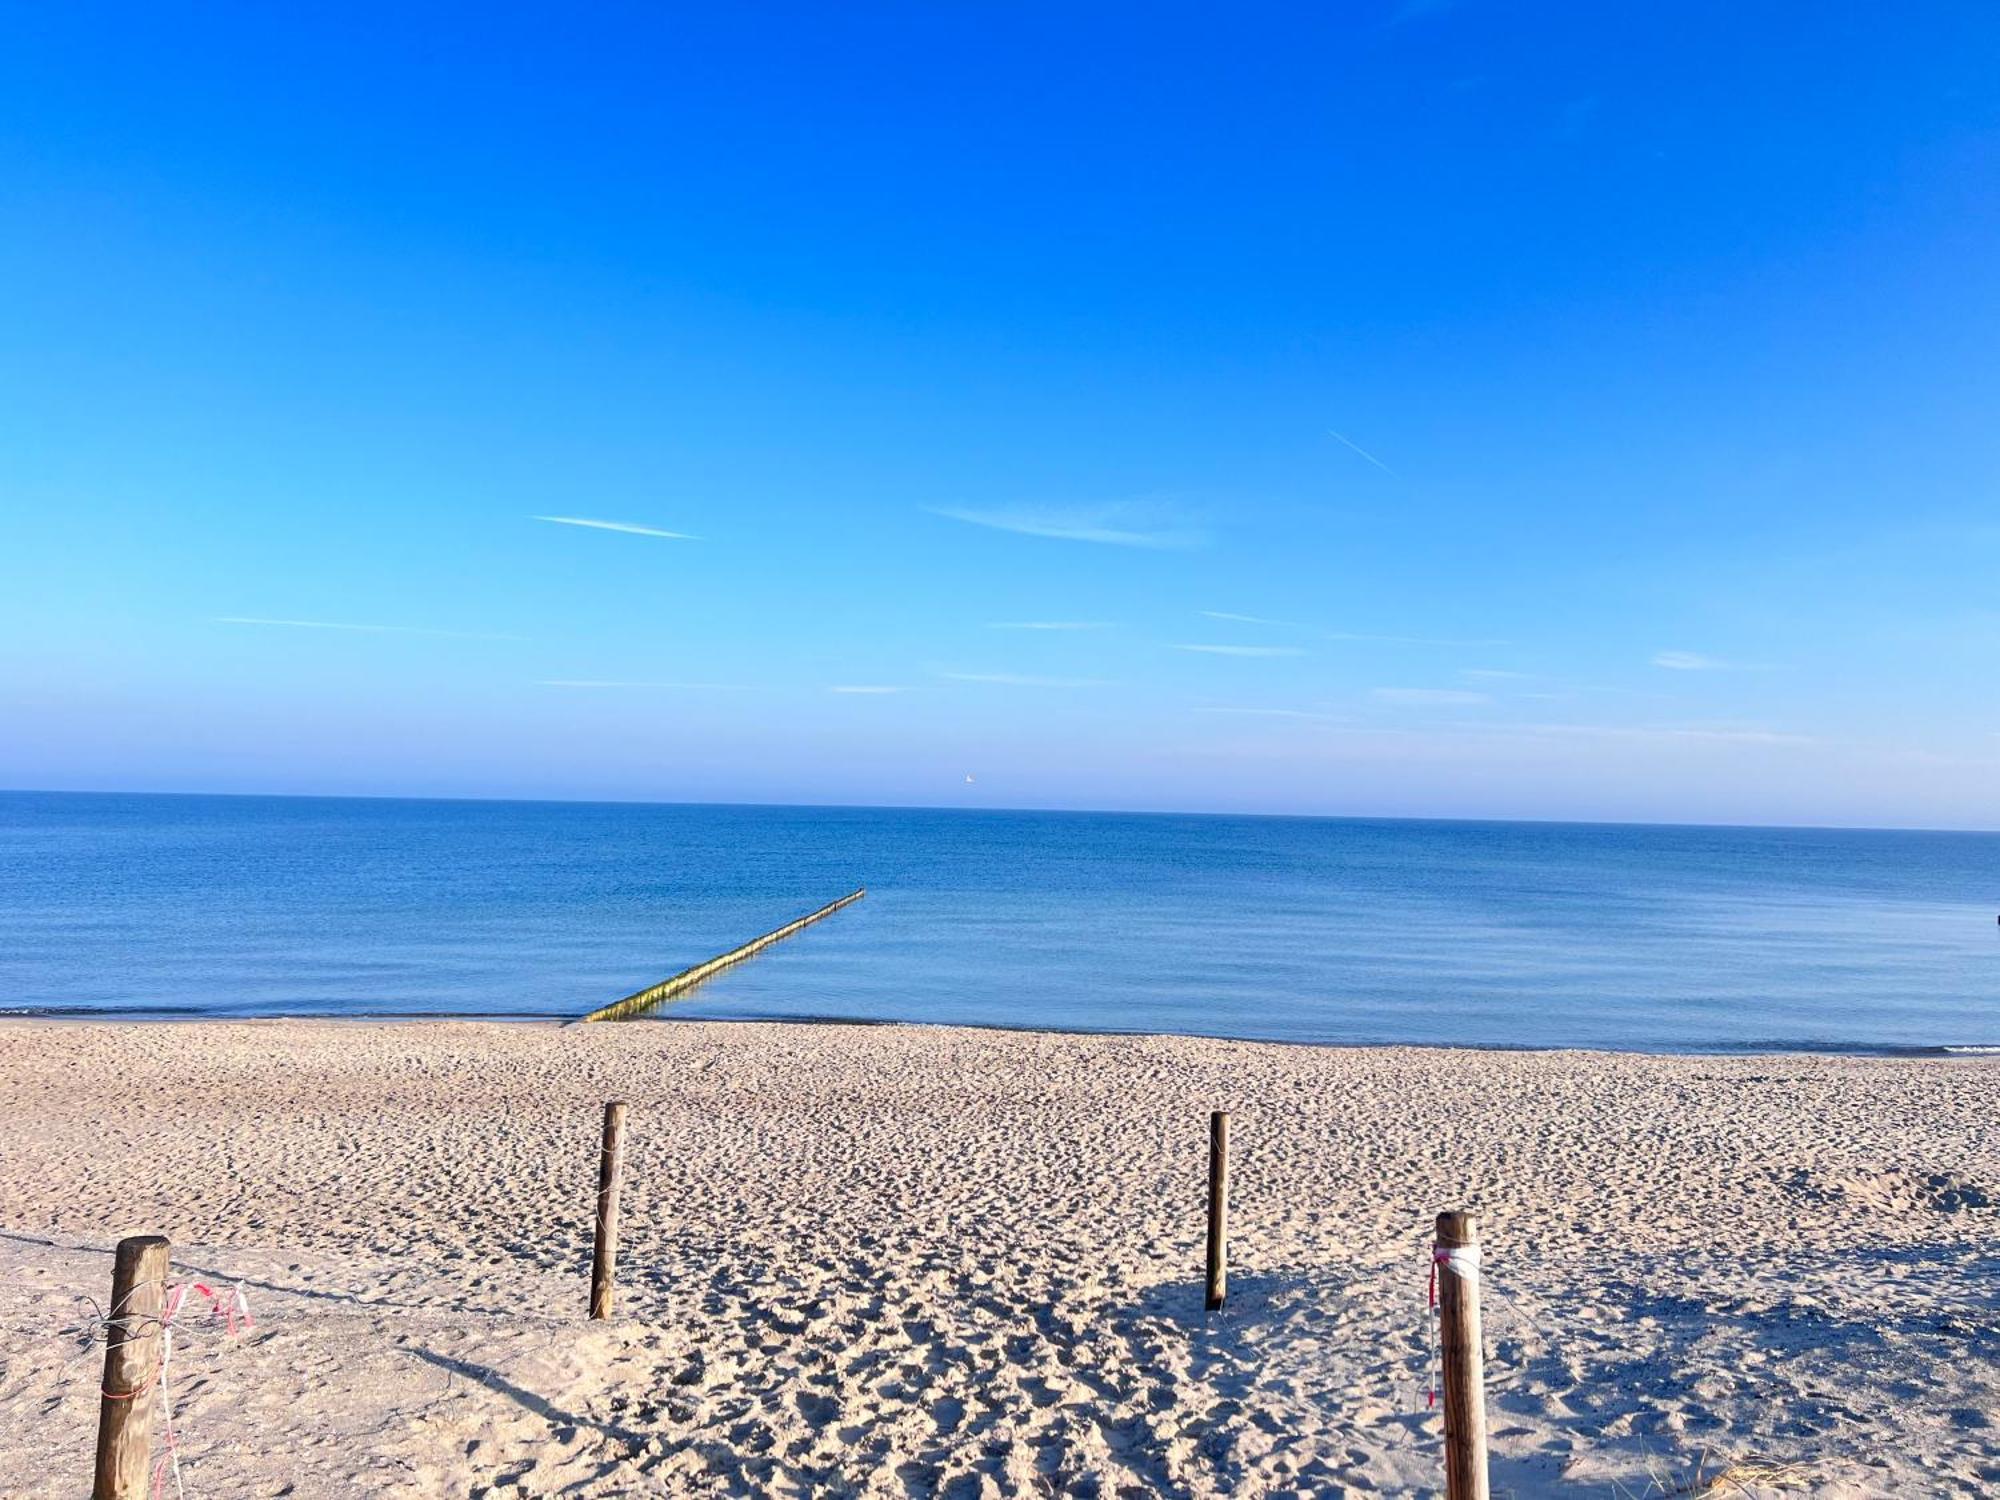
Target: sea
{"x": 1342, "y": 930}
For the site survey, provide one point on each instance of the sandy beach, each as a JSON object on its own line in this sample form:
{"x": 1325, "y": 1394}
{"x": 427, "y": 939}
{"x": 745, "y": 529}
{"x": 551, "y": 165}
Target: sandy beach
{"x": 905, "y": 1261}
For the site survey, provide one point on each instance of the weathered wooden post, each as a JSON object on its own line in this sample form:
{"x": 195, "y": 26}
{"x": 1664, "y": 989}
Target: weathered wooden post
{"x": 610, "y": 1167}
{"x": 132, "y": 1331}
{"x": 1455, "y": 1262}
{"x": 1218, "y": 1209}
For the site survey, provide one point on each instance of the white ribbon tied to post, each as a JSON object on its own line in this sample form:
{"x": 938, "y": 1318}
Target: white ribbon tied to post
{"x": 1461, "y": 1261}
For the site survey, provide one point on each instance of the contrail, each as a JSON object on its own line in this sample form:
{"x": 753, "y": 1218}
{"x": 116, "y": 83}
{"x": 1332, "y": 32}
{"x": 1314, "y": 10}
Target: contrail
{"x": 1223, "y": 614}
{"x": 628, "y": 527}
{"x": 1366, "y": 454}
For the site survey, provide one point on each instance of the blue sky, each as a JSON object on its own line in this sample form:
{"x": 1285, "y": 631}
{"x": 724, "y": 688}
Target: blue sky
{"x": 1409, "y": 408}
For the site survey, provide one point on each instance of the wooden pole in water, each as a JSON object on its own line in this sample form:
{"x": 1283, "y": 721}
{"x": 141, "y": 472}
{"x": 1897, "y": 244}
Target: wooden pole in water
{"x": 1462, "y": 1353}
{"x": 132, "y": 1330}
{"x": 1218, "y": 1209}
{"x": 610, "y": 1168}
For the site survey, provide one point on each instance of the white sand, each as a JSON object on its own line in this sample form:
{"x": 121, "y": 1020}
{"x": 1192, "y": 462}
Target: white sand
{"x": 914, "y": 1262}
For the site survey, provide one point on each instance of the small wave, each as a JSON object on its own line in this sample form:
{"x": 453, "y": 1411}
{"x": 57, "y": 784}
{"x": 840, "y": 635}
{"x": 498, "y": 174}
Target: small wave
{"x": 1771, "y": 1045}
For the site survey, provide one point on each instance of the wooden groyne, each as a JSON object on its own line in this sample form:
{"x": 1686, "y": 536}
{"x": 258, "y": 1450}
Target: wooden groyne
{"x": 669, "y": 989}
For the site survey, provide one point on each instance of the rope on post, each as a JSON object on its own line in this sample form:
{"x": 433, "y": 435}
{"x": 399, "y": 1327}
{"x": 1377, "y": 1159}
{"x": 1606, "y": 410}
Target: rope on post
{"x": 141, "y": 1336}
{"x": 132, "y": 1363}
{"x": 604, "y": 1256}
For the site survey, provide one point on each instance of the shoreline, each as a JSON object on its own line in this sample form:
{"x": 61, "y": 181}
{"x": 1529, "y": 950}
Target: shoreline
{"x": 1943, "y": 1051}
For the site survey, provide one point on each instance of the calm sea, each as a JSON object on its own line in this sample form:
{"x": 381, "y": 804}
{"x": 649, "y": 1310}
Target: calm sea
{"x": 1325, "y": 930}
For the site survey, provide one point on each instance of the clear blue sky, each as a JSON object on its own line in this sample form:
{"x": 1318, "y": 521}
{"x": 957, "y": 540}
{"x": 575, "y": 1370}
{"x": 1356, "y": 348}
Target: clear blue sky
{"x": 1425, "y": 408}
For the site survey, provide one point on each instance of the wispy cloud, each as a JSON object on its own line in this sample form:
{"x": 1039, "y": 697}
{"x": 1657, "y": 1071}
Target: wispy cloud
{"x": 1494, "y": 674}
{"x": 595, "y": 682}
{"x": 628, "y": 527}
{"x": 461, "y": 635}
{"x": 1211, "y": 650}
{"x": 1366, "y": 454}
{"x": 1236, "y": 619}
{"x": 1273, "y": 713}
{"x": 1699, "y": 733}
{"x": 1428, "y": 696}
{"x": 1017, "y": 679}
{"x": 1123, "y": 525}
{"x": 1467, "y": 643}
{"x": 1738, "y": 736}
{"x": 1413, "y": 640}
{"x": 1050, "y": 625}
{"x": 867, "y": 689}
{"x": 1695, "y": 661}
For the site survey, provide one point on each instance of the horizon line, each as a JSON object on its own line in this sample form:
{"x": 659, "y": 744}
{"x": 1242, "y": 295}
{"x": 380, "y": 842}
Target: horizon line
{"x": 1081, "y": 812}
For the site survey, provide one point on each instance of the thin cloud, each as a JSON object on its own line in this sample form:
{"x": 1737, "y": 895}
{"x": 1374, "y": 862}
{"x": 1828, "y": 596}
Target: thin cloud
{"x": 1108, "y": 525}
{"x": 1429, "y": 696}
{"x": 1236, "y": 619}
{"x": 1210, "y": 650}
{"x": 1016, "y": 679}
{"x": 1725, "y": 735}
{"x": 1694, "y": 661}
{"x": 1412, "y": 640}
{"x": 628, "y": 527}
{"x": 1366, "y": 454}
{"x": 598, "y": 682}
{"x": 1480, "y": 642}
{"x": 1495, "y": 674}
{"x": 864, "y": 689}
{"x": 459, "y": 635}
{"x": 1272, "y": 713}
{"x": 1050, "y": 625}
{"x": 1741, "y": 736}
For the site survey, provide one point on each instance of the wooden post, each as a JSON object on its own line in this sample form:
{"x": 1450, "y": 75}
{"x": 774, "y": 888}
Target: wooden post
{"x": 131, "y": 1369}
{"x": 1218, "y": 1208}
{"x": 1462, "y": 1352}
{"x": 610, "y": 1167}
